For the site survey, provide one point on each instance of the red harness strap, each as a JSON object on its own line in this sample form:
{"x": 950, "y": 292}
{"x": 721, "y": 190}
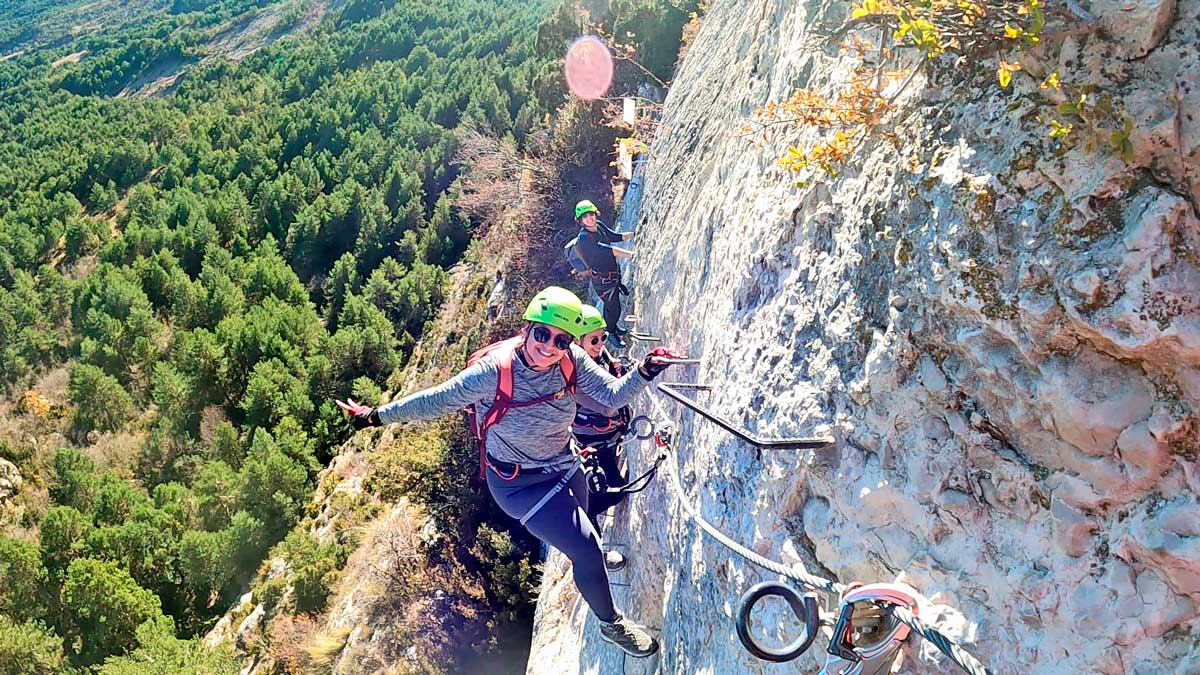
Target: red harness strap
{"x": 607, "y": 277}
{"x": 503, "y": 402}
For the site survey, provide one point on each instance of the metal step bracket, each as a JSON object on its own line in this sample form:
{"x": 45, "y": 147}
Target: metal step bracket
{"x": 744, "y": 434}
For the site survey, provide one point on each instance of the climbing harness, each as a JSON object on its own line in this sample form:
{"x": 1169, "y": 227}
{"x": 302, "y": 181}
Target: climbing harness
{"x": 745, "y": 435}
{"x": 562, "y": 483}
{"x": 864, "y": 647}
{"x": 607, "y": 277}
{"x": 799, "y": 575}
{"x": 598, "y": 481}
{"x": 503, "y": 401}
{"x": 598, "y": 424}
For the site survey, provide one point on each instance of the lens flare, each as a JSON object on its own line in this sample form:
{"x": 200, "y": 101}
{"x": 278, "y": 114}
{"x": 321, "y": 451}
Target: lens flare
{"x": 589, "y": 68}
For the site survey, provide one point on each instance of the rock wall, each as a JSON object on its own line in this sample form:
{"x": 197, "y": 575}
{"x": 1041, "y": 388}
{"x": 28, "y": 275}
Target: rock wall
{"x": 1003, "y": 335}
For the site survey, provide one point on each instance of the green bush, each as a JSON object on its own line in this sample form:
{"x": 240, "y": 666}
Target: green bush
{"x": 29, "y": 649}
{"x": 315, "y": 569}
{"x": 75, "y": 480}
{"x": 101, "y": 403}
{"x": 410, "y": 464}
{"x": 105, "y": 607}
{"x": 512, "y": 578}
{"x": 64, "y": 535}
{"x": 23, "y": 576}
{"x": 161, "y": 653}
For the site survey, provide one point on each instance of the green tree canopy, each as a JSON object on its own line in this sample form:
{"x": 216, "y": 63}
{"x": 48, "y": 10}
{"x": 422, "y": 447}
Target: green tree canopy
{"x": 105, "y": 607}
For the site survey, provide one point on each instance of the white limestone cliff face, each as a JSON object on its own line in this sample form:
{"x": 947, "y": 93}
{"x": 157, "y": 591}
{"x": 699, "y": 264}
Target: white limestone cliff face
{"x": 1004, "y": 337}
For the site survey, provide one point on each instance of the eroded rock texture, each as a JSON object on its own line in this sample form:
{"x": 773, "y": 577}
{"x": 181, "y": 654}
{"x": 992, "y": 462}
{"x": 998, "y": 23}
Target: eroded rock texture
{"x": 1004, "y": 335}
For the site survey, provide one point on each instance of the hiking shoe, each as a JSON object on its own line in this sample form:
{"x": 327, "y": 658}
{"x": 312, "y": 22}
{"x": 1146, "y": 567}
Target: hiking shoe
{"x": 633, "y": 639}
{"x": 616, "y": 339}
{"x": 614, "y": 561}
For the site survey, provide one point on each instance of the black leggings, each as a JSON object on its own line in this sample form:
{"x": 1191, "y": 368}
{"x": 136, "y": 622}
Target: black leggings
{"x": 610, "y": 293}
{"x": 563, "y": 523}
{"x": 608, "y": 454}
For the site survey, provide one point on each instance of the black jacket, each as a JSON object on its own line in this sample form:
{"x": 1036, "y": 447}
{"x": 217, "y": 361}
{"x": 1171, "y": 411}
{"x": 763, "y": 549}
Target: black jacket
{"x": 596, "y": 248}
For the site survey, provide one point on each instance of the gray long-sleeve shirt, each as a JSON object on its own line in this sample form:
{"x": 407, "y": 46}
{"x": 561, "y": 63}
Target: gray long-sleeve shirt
{"x": 534, "y": 436}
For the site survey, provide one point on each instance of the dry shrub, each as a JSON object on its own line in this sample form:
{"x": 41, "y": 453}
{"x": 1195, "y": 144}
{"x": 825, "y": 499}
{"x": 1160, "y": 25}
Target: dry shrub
{"x": 398, "y": 537}
{"x": 325, "y": 648}
{"x": 504, "y": 192}
{"x": 210, "y": 418}
{"x": 428, "y": 609}
{"x": 287, "y": 637}
{"x": 522, "y": 201}
{"x": 117, "y": 451}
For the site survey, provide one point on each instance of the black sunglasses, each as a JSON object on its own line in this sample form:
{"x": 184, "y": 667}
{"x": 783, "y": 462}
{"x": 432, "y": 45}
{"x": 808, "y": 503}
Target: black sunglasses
{"x": 562, "y": 341}
{"x": 595, "y": 340}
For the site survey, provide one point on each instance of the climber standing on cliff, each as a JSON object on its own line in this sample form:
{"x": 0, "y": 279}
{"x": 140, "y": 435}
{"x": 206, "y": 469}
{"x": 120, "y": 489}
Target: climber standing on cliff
{"x": 597, "y": 426}
{"x": 524, "y": 390}
{"x": 595, "y": 245}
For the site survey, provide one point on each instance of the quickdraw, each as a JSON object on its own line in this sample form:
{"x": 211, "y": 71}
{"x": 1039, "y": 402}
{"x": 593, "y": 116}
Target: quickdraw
{"x": 642, "y": 428}
{"x": 866, "y": 643}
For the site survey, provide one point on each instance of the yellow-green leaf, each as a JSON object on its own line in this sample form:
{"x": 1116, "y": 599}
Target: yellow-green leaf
{"x": 1005, "y": 77}
{"x": 1060, "y": 130}
{"x": 1011, "y": 32}
{"x": 1038, "y": 21}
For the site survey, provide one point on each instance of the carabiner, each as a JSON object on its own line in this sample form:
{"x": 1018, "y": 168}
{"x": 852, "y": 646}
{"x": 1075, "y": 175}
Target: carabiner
{"x": 637, "y": 422}
{"x": 804, "y": 607}
{"x": 847, "y": 656}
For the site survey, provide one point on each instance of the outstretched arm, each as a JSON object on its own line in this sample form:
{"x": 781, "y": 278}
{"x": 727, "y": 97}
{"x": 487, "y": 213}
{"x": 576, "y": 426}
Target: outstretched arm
{"x": 600, "y": 386}
{"x": 618, "y": 252}
{"x": 613, "y": 392}
{"x": 469, "y": 386}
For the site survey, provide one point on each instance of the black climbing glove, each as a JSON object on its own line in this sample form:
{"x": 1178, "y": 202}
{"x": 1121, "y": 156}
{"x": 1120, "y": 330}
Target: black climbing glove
{"x": 361, "y": 416}
{"x": 371, "y": 419}
{"x": 650, "y": 367}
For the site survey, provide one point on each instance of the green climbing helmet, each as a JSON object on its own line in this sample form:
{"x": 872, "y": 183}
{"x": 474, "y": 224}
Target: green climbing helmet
{"x": 585, "y": 207}
{"x": 557, "y": 307}
{"x": 593, "y": 320}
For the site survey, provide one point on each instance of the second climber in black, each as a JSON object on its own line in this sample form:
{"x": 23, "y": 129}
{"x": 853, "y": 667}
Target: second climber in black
{"x": 595, "y": 246}
{"x": 598, "y": 427}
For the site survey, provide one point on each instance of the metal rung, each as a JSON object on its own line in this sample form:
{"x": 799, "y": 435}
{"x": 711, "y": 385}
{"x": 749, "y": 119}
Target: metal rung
{"x": 745, "y": 435}
{"x": 690, "y": 385}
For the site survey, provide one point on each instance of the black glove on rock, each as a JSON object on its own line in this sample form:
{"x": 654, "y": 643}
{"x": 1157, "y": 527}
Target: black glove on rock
{"x": 650, "y": 369}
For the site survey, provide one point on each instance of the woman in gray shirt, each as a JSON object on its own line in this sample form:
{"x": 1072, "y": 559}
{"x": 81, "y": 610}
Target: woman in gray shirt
{"x": 531, "y": 471}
